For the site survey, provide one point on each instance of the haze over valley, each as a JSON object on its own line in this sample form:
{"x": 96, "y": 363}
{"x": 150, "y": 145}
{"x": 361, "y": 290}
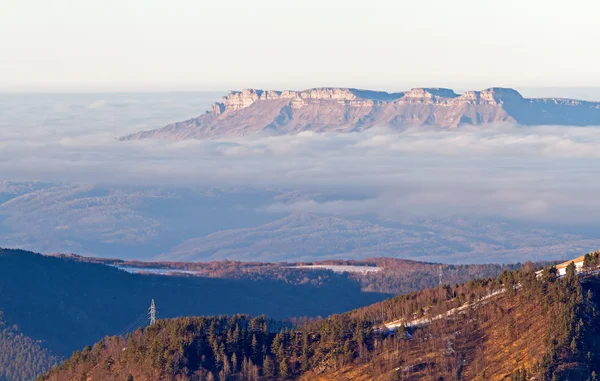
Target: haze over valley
{"x": 476, "y": 194}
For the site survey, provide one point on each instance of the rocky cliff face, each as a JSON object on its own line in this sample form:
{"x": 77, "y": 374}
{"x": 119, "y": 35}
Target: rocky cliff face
{"x": 253, "y": 111}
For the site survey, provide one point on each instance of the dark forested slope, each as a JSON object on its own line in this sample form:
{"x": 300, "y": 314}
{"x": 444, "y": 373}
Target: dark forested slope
{"x": 21, "y": 358}
{"x": 52, "y": 306}
{"x": 533, "y": 326}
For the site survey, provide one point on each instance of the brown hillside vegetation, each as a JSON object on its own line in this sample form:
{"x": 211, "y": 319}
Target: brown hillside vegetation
{"x": 543, "y": 330}
{"x": 67, "y": 302}
{"x": 541, "y": 327}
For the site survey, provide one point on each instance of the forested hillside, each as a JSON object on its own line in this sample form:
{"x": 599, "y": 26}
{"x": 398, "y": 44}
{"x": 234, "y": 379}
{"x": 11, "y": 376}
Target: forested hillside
{"x": 21, "y": 358}
{"x": 534, "y": 326}
{"x": 69, "y": 304}
{"x": 59, "y": 305}
{"x": 63, "y": 303}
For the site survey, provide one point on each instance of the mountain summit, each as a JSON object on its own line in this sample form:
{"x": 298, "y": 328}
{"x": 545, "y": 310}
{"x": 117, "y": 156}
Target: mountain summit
{"x": 254, "y": 111}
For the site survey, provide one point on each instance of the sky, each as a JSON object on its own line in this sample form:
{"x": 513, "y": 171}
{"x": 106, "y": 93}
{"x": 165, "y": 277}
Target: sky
{"x": 139, "y": 45}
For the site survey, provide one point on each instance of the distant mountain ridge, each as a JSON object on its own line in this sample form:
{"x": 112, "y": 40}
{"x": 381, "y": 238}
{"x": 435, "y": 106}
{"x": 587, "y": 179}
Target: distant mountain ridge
{"x": 252, "y": 111}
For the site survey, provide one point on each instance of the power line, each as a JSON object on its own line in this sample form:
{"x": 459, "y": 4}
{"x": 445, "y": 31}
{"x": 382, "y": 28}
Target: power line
{"x": 148, "y": 317}
{"x": 141, "y": 320}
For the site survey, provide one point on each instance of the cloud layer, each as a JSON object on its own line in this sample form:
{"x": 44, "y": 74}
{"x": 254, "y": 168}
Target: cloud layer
{"x": 542, "y": 173}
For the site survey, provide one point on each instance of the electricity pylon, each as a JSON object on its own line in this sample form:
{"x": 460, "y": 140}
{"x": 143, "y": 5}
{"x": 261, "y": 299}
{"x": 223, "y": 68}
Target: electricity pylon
{"x": 152, "y": 313}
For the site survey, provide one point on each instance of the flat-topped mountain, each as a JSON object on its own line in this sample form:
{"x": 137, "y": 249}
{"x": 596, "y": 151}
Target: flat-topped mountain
{"x": 345, "y": 110}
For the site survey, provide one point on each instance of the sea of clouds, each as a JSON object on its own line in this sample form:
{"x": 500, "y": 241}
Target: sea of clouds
{"x": 541, "y": 173}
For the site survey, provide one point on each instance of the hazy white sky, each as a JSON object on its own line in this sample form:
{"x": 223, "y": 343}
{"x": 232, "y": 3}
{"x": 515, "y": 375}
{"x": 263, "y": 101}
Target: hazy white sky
{"x": 387, "y": 44}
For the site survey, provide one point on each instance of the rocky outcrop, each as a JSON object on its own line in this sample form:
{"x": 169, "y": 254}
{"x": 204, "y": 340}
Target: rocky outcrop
{"x": 254, "y": 111}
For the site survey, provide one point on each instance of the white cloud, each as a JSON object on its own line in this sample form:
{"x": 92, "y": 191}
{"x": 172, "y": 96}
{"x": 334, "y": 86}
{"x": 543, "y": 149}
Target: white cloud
{"x": 542, "y": 173}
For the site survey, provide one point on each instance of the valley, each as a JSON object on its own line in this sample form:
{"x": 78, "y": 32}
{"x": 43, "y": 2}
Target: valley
{"x": 195, "y": 223}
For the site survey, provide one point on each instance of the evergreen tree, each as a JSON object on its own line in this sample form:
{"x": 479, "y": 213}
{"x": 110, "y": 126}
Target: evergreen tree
{"x": 268, "y": 368}
{"x": 283, "y": 369}
{"x": 256, "y": 355}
